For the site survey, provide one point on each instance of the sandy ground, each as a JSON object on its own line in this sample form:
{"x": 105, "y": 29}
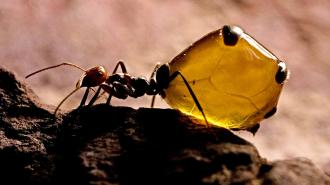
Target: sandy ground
{"x": 35, "y": 34}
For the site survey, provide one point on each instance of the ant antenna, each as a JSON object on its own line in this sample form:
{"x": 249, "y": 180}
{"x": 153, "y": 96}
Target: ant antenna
{"x": 71, "y": 93}
{"x": 55, "y": 66}
{"x": 51, "y": 67}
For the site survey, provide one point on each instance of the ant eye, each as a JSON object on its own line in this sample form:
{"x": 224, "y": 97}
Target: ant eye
{"x": 99, "y": 74}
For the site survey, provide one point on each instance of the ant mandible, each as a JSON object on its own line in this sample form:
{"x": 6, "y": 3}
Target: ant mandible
{"x": 123, "y": 85}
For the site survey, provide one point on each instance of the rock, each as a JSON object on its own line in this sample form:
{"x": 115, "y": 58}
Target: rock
{"x": 294, "y": 171}
{"x": 27, "y": 135}
{"x": 119, "y": 145}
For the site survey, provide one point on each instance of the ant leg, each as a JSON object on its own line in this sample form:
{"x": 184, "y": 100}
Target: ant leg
{"x": 152, "y": 80}
{"x": 96, "y": 95}
{"x": 123, "y": 69}
{"x": 107, "y": 88}
{"x": 173, "y": 76}
{"x": 109, "y": 99}
{"x": 122, "y": 66}
{"x": 153, "y": 101}
{"x": 83, "y": 101}
{"x": 155, "y": 71}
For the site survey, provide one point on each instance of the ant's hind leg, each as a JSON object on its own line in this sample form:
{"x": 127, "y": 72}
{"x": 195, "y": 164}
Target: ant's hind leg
{"x": 192, "y": 94}
{"x": 153, "y": 101}
{"x": 153, "y": 83}
{"x": 109, "y": 99}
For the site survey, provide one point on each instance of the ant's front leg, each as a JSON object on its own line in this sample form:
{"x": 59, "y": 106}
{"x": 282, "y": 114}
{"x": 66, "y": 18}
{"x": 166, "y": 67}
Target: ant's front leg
{"x": 96, "y": 95}
{"x": 83, "y": 101}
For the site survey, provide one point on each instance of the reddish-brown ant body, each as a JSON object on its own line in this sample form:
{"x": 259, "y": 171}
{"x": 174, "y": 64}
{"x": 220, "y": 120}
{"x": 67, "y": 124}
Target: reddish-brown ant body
{"x": 122, "y": 85}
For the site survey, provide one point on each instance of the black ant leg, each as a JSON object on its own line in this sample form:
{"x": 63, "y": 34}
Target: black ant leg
{"x": 109, "y": 99}
{"x": 153, "y": 101}
{"x": 152, "y": 82}
{"x": 107, "y": 88}
{"x": 122, "y": 65}
{"x": 83, "y": 101}
{"x": 96, "y": 95}
{"x": 123, "y": 69}
{"x": 173, "y": 76}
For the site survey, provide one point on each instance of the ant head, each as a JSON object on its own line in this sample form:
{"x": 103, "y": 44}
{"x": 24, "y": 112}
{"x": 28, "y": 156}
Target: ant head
{"x": 93, "y": 77}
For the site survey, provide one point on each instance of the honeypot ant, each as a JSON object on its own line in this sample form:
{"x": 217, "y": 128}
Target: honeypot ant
{"x": 123, "y": 85}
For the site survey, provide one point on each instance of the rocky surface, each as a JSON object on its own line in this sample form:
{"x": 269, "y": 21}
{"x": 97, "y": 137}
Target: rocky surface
{"x": 121, "y": 145}
{"x": 37, "y": 34}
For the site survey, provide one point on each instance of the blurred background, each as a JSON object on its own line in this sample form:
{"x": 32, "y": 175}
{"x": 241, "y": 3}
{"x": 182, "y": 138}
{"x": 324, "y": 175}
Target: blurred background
{"x": 39, "y": 33}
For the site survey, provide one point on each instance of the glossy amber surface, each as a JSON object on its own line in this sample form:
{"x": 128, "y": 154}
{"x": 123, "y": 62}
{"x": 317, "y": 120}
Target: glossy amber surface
{"x": 235, "y": 84}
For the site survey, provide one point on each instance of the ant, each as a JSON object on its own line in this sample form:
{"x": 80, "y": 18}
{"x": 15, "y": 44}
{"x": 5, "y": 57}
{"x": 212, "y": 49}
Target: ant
{"x": 123, "y": 85}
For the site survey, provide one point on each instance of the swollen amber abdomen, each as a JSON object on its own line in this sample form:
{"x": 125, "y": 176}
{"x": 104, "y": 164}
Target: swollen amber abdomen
{"x": 235, "y": 83}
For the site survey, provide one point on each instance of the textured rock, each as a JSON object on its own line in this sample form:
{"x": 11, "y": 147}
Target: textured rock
{"x": 27, "y": 134}
{"x": 296, "y": 171}
{"x": 121, "y": 145}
